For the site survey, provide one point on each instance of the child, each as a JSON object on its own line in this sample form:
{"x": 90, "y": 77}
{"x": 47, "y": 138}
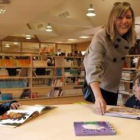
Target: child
{"x": 134, "y": 101}
{"x": 8, "y": 105}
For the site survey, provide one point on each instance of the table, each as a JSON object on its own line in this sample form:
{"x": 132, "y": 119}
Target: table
{"x": 58, "y": 125}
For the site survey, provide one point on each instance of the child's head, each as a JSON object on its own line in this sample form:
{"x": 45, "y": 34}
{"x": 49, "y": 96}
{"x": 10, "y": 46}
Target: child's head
{"x": 136, "y": 87}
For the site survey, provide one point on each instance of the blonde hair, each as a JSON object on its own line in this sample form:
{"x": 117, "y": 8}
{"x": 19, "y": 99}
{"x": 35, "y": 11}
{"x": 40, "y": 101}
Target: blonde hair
{"x": 119, "y": 9}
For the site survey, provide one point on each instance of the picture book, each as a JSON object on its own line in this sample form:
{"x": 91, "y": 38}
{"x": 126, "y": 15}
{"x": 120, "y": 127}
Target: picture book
{"x": 123, "y": 112}
{"x": 93, "y": 128}
{"x": 24, "y": 113}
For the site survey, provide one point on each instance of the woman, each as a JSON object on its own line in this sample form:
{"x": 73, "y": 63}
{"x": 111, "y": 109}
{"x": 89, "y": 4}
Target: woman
{"x": 105, "y": 56}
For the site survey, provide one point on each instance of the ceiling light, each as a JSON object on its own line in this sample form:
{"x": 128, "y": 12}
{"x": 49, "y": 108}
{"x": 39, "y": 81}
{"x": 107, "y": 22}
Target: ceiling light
{"x": 2, "y": 10}
{"x": 15, "y": 43}
{"x": 7, "y": 45}
{"x": 59, "y": 42}
{"x": 71, "y": 39}
{"x": 90, "y": 12}
{"x": 49, "y": 28}
{"x": 28, "y": 36}
{"x": 84, "y": 37}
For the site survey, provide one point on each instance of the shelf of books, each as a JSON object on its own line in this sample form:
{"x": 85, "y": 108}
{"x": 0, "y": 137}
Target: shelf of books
{"x": 58, "y": 77}
{"x": 130, "y": 70}
{"x": 39, "y": 76}
{"x": 15, "y": 75}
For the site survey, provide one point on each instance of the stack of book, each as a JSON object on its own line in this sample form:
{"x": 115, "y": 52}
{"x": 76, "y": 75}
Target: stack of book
{"x": 128, "y": 75}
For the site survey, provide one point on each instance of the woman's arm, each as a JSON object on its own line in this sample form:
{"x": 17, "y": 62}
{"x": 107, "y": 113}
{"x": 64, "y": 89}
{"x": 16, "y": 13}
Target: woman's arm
{"x": 99, "y": 100}
{"x": 93, "y": 63}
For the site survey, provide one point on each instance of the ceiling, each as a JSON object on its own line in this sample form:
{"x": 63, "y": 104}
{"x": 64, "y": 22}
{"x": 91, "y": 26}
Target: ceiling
{"x": 67, "y": 17}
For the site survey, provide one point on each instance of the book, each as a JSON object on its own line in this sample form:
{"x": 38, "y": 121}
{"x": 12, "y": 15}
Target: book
{"x": 93, "y": 128}
{"x": 123, "y": 112}
{"x": 24, "y": 113}
{"x": 128, "y": 75}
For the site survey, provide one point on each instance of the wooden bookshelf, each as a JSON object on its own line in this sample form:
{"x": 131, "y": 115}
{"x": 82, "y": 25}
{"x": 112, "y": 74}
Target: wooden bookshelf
{"x": 131, "y": 69}
{"x": 40, "y": 75}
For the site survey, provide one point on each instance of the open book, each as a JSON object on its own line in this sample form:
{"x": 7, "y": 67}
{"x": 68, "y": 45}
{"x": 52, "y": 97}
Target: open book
{"x": 123, "y": 112}
{"x": 22, "y": 114}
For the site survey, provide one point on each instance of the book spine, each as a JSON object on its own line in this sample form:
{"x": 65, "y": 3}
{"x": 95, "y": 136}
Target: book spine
{"x": 111, "y": 128}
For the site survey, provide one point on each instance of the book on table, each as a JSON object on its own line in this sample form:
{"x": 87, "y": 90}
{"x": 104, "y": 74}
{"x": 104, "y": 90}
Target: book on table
{"x": 123, "y": 112}
{"x": 92, "y": 128}
{"x": 24, "y": 113}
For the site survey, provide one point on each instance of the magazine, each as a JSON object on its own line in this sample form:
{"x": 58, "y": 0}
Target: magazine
{"x": 24, "y": 113}
{"x": 93, "y": 128}
{"x": 123, "y": 112}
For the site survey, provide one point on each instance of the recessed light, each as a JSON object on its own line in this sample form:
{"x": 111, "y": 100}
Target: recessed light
{"x": 15, "y": 43}
{"x": 71, "y": 39}
{"x": 2, "y": 10}
{"x": 59, "y": 42}
{"x": 84, "y": 37}
{"x": 28, "y": 36}
{"x": 7, "y": 45}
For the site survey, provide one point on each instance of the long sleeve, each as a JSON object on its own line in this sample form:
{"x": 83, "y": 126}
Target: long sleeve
{"x": 5, "y": 107}
{"x": 104, "y": 59}
{"x": 93, "y": 61}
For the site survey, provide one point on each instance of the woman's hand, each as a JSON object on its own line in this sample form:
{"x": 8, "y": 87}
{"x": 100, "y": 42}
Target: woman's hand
{"x": 100, "y": 105}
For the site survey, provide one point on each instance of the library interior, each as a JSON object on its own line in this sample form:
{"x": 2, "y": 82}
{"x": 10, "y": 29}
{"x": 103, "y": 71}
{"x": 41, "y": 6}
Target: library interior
{"x": 42, "y": 48}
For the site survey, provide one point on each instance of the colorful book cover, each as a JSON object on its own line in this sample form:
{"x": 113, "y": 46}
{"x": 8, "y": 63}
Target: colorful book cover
{"x": 93, "y": 128}
{"x": 123, "y": 112}
{"x": 14, "y": 118}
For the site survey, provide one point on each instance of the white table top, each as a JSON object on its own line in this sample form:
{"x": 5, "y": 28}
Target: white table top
{"x": 58, "y": 125}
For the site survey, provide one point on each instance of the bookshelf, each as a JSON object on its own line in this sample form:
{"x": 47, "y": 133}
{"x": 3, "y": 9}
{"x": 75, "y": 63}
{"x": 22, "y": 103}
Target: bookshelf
{"x": 15, "y": 75}
{"x": 39, "y": 76}
{"x": 130, "y": 70}
{"x": 60, "y": 77}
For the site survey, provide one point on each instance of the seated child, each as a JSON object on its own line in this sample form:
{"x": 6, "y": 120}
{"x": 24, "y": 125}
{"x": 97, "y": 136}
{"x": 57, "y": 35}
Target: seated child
{"x": 134, "y": 100}
{"x": 7, "y": 106}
